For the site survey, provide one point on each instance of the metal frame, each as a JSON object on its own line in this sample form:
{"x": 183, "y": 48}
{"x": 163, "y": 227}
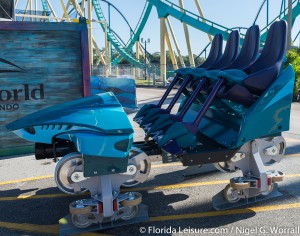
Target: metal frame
{"x": 251, "y": 159}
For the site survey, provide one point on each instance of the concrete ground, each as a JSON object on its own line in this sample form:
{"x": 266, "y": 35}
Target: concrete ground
{"x": 31, "y": 204}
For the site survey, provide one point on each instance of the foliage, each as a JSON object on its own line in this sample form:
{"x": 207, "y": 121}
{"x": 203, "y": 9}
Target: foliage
{"x": 154, "y": 58}
{"x": 293, "y": 58}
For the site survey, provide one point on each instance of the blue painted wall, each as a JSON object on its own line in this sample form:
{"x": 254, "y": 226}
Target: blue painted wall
{"x": 38, "y": 69}
{"x": 123, "y": 88}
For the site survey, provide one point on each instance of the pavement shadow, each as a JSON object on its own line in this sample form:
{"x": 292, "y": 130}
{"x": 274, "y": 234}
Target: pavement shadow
{"x": 162, "y": 201}
{"x": 293, "y": 149}
{"x": 190, "y": 218}
{"x": 32, "y": 210}
{"x": 165, "y": 220}
{"x": 47, "y": 211}
{"x": 15, "y": 192}
{"x": 174, "y": 177}
{"x": 291, "y": 189}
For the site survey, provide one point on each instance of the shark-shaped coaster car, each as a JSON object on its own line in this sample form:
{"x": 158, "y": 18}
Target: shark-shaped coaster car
{"x": 94, "y": 136}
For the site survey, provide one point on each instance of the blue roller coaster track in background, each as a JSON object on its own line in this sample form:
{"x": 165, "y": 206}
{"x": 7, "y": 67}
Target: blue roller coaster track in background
{"x": 264, "y": 31}
{"x": 124, "y": 50}
{"x": 167, "y": 8}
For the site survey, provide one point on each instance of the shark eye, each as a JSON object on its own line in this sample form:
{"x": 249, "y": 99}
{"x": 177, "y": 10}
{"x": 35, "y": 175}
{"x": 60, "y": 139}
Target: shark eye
{"x": 30, "y": 130}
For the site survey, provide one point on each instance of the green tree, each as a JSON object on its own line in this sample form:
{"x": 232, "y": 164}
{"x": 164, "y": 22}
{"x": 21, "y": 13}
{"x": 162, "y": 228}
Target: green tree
{"x": 95, "y": 56}
{"x": 155, "y": 58}
{"x": 293, "y": 58}
{"x": 199, "y": 60}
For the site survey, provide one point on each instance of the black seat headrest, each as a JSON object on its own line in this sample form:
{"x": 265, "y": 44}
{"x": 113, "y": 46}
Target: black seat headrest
{"x": 249, "y": 51}
{"x": 274, "y": 48}
{"x": 215, "y": 52}
{"x": 231, "y": 51}
{"x": 267, "y": 67}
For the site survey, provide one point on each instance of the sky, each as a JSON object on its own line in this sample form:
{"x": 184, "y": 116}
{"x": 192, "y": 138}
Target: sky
{"x": 229, "y": 13}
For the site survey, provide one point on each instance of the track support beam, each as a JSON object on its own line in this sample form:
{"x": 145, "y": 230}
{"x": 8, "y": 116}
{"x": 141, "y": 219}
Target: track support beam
{"x": 90, "y": 8}
{"x": 201, "y": 14}
{"x": 137, "y": 56}
{"x": 290, "y": 17}
{"x": 172, "y": 55}
{"x": 163, "y": 58}
{"x": 187, "y": 38}
{"x": 176, "y": 43}
{"x": 66, "y": 15}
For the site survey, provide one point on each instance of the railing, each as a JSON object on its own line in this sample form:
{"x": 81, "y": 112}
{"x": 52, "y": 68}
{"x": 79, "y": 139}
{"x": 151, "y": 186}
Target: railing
{"x": 284, "y": 12}
{"x": 239, "y": 28}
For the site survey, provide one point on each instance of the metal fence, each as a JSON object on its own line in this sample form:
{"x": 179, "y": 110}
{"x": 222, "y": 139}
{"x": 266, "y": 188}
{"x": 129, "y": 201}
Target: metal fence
{"x": 148, "y": 77}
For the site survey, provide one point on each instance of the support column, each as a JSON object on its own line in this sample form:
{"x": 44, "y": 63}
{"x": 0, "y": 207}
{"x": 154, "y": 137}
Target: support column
{"x": 203, "y": 20}
{"x": 137, "y": 56}
{"x": 31, "y": 10}
{"x": 289, "y": 33}
{"x": 16, "y": 3}
{"x": 83, "y": 7}
{"x": 51, "y": 9}
{"x": 36, "y": 9}
{"x": 68, "y": 4}
{"x": 176, "y": 44}
{"x": 101, "y": 58}
{"x": 25, "y": 12}
{"x": 107, "y": 58}
{"x": 163, "y": 58}
{"x": 90, "y": 31}
{"x": 117, "y": 70}
{"x": 187, "y": 38}
{"x": 132, "y": 72}
{"x": 172, "y": 55}
{"x": 65, "y": 10}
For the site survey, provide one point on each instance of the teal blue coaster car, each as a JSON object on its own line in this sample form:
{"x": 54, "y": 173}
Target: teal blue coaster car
{"x": 228, "y": 108}
{"x": 229, "y": 124}
{"x": 97, "y": 127}
{"x": 92, "y": 137}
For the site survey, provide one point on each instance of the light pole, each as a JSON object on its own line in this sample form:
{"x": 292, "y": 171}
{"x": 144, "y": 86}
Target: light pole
{"x": 146, "y": 41}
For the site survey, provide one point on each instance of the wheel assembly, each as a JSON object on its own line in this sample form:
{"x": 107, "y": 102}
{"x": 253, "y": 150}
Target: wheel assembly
{"x": 106, "y": 204}
{"x": 68, "y": 171}
{"x": 277, "y": 177}
{"x": 142, "y": 163}
{"x": 239, "y": 185}
{"x": 88, "y": 211}
{"x": 78, "y": 208}
{"x": 224, "y": 167}
{"x": 134, "y": 198}
{"x": 81, "y": 214}
{"x": 256, "y": 181}
{"x": 130, "y": 212}
{"x": 231, "y": 194}
{"x": 82, "y": 221}
{"x": 270, "y": 190}
{"x": 131, "y": 205}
